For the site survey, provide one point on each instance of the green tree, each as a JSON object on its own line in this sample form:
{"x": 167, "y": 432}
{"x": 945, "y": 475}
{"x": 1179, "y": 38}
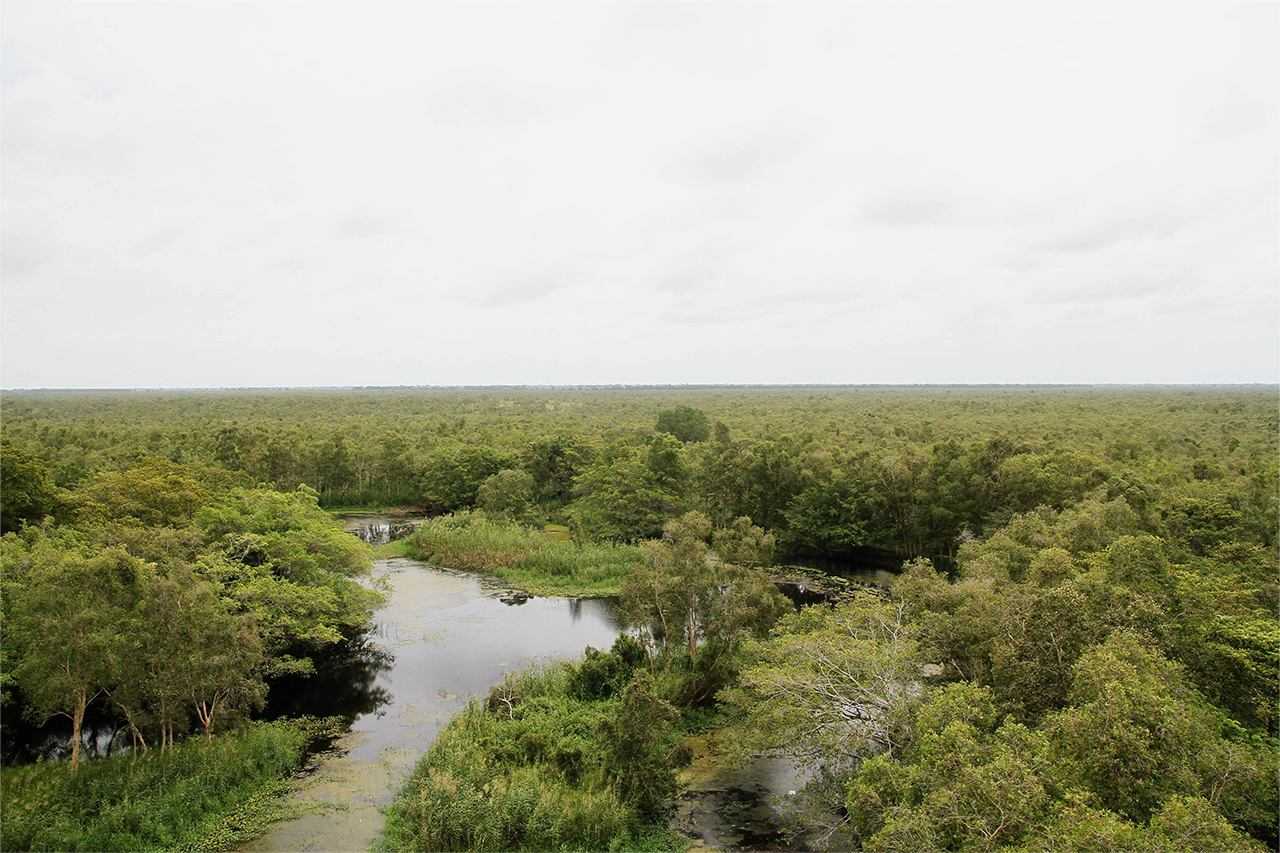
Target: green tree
{"x": 666, "y": 463}
{"x": 554, "y": 463}
{"x": 507, "y": 493}
{"x": 743, "y": 544}
{"x": 623, "y": 499}
{"x": 966, "y": 782}
{"x": 1184, "y": 823}
{"x": 1137, "y": 735}
{"x": 1041, "y": 635}
{"x": 453, "y": 474}
{"x": 685, "y": 423}
{"x": 284, "y": 560}
{"x": 63, "y": 607}
{"x": 224, "y": 674}
{"x": 772, "y": 478}
{"x": 829, "y": 517}
{"x": 184, "y": 651}
{"x": 720, "y": 477}
{"x": 642, "y": 750}
{"x": 955, "y": 623}
{"x": 971, "y": 781}
{"x": 153, "y": 493}
{"x": 899, "y": 494}
{"x": 695, "y": 608}
{"x": 26, "y": 493}
{"x": 663, "y": 596}
{"x": 1228, "y": 635}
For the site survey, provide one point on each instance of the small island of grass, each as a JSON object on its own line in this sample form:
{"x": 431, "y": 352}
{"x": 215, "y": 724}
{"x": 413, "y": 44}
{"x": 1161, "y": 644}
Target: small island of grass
{"x": 541, "y": 562}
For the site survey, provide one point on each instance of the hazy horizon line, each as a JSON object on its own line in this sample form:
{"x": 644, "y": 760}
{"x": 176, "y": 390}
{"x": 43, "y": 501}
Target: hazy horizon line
{"x": 619, "y": 386}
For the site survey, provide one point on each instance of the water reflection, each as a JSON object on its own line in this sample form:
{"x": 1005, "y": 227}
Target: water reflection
{"x": 101, "y": 735}
{"x": 345, "y": 683}
{"x": 442, "y": 637}
{"x": 800, "y": 594}
{"x": 445, "y": 636}
{"x": 379, "y": 530}
{"x": 869, "y": 566}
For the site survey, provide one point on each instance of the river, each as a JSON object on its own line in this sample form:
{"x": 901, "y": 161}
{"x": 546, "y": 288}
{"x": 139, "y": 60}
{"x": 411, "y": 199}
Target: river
{"x": 442, "y": 637}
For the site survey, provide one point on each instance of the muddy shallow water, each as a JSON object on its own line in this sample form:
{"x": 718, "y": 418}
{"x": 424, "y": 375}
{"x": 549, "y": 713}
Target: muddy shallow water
{"x": 728, "y": 807}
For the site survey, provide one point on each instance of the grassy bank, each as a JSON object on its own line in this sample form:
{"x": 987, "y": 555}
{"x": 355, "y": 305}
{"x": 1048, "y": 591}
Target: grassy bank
{"x": 538, "y": 562}
{"x": 576, "y": 756}
{"x": 202, "y": 796}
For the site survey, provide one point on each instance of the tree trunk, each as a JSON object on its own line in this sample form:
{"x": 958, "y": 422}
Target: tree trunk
{"x": 77, "y": 721}
{"x": 205, "y": 712}
{"x": 692, "y": 628}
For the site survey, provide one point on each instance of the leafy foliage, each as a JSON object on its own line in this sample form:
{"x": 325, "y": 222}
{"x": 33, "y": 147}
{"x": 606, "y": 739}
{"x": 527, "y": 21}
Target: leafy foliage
{"x": 26, "y": 492}
{"x": 685, "y": 423}
{"x": 507, "y": 493}
{"x": 1091, "y": 589}
{"x": 696, "y": 610}
{"x": 832, "y": 684}
{"x": 628, "y": 494}
{"x": 172, "y": 598}
{"x": 536, "y": 768}
{"x": 971, "y": 781}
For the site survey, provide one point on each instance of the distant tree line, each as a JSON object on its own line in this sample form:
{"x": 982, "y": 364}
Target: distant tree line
{"x": 912, "y": 471}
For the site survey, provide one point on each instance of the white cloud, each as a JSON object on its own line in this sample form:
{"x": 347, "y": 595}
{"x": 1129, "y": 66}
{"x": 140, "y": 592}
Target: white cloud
{"x": 314, "y": 194}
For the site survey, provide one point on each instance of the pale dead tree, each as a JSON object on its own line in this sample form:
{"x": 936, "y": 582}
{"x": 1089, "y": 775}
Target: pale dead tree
{"x": 833, "y": 685}
{"x": 504, "y": 697}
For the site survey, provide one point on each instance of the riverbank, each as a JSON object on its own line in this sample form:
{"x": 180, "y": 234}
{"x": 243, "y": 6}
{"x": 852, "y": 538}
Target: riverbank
{"x": 203, "y": 795}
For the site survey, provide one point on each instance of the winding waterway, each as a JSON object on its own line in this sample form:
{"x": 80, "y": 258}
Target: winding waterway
{"x": 442, "y": 637}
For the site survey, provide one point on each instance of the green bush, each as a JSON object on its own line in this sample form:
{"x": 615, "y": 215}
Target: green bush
{"x": 534, "y": 768}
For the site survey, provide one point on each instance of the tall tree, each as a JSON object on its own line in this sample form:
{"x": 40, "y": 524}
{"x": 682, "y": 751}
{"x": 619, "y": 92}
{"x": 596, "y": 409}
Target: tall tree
{"x": 64, "y": 605}
{"x": 1137, "y": 734}
{"x": 507, "y": 493}
{"x": 623, "y": 498}
{"x": 696, "y": 607}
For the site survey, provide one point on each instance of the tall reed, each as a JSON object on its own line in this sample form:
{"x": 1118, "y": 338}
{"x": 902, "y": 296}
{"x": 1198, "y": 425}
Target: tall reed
{"x": 543, "y": 563}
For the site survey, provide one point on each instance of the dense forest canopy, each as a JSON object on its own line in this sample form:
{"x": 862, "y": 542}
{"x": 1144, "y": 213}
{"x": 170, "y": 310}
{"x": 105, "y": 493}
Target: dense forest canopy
{"x": 1079, "y": 652}
{"x": 828, "y": 469}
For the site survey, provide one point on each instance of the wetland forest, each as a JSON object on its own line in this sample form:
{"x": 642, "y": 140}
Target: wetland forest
{"x": 956, "y": 617}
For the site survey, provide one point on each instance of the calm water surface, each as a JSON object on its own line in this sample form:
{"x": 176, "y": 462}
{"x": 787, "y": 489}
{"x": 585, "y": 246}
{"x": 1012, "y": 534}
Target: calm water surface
{"x": 443, "y": 637}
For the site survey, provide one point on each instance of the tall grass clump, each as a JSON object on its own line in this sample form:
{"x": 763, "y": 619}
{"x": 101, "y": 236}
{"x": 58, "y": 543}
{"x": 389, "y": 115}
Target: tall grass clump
{"x": 202, "y": 795}
{"x": 540, "y": 765}
{"x": 538, "y": 562}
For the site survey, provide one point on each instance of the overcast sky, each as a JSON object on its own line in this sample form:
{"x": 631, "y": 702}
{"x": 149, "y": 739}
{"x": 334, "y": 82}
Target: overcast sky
{"x": 304, "y": 194}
